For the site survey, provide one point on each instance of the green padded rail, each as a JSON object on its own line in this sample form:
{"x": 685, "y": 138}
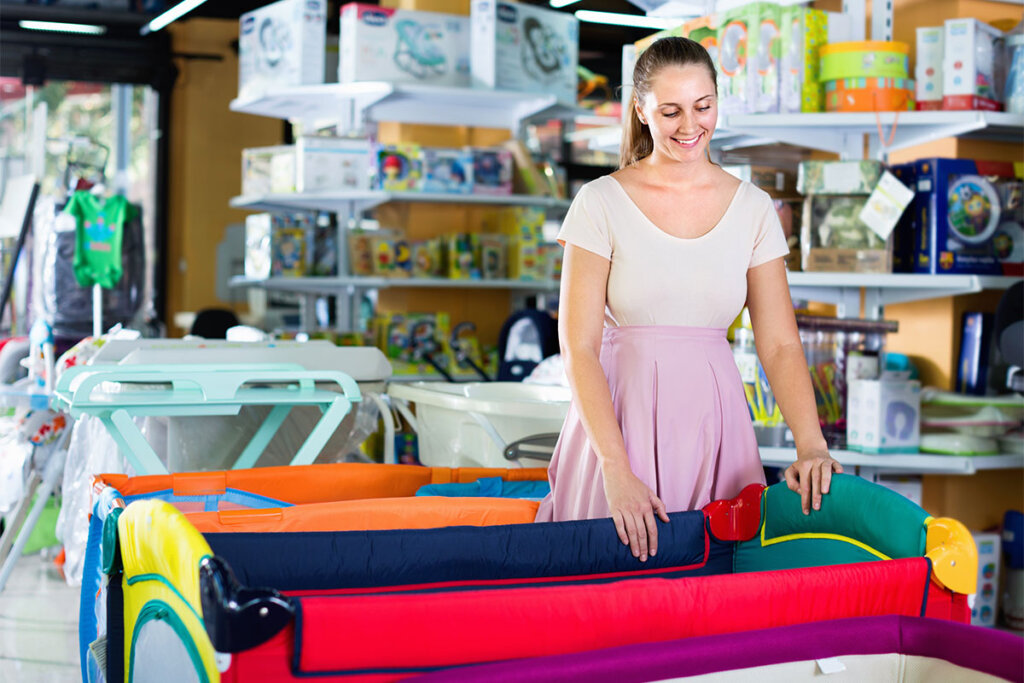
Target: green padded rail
{"x": 859, "y": 521}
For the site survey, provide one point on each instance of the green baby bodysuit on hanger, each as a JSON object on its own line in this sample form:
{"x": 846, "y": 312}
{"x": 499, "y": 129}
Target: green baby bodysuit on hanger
{"x": 98, "y": 234}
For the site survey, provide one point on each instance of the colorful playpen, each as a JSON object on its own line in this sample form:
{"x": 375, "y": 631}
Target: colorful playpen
{"x": 277, "y": 595}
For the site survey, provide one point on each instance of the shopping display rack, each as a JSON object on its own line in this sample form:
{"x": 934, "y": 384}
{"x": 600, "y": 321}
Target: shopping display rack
{"x": 116, "y": 394}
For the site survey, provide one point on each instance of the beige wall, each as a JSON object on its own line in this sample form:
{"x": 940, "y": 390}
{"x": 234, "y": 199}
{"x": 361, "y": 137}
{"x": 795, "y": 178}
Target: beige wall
{"x": 205, "y": 161}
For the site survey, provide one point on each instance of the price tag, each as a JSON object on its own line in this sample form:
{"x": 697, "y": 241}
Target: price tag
{"x": 884, "y": 207}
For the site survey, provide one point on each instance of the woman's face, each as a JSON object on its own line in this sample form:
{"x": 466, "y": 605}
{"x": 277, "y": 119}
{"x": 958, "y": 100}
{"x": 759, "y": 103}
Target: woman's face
{"x": 681, "y": 111}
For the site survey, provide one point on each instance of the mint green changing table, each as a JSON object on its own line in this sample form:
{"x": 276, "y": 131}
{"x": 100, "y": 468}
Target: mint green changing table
{"x": 118, "y": 393}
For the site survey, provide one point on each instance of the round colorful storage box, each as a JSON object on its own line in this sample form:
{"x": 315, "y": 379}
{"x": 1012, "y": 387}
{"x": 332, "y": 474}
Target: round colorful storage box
{"x": 864, "y": 59}
{"x": 869, "y": 94}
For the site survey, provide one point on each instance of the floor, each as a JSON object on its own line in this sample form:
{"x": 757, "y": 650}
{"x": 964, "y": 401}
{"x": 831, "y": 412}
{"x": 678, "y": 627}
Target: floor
{"x": 38, "y": 624}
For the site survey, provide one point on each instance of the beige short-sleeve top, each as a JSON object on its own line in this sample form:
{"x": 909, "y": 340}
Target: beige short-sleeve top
{"x": 658, "y": 279}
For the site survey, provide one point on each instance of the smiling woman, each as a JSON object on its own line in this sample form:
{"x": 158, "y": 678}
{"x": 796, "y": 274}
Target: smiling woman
{"x": 660, "y": 257}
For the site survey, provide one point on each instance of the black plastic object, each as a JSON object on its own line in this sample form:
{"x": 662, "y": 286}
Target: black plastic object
{"x": 213, "y": 323}
{"x": 239, "y": 618}
{"x": 526, "y": 338}
{"x": 538, "y": 447}
{"x": 1008, "y": 334}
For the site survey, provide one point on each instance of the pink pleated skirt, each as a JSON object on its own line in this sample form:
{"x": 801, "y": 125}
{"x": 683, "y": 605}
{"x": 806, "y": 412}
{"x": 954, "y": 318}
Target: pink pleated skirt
{"x": 680, "y": 403}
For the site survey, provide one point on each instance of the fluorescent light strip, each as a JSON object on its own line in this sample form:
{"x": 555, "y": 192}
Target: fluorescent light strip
{"x": 173, "y": 14}
{"x": 637, "y": 20}
{"x": 561, "y": 3}
{"x": 62, "y": 27}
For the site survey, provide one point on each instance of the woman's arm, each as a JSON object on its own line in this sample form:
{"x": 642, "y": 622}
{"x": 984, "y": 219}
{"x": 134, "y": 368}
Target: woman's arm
{"x": 580, "y": 322}
{"x": 782, "y": 355}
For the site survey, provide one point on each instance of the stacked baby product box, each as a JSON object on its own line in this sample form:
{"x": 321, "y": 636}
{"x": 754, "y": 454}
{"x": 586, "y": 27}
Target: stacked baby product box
{"x": 986, "y": 599}
{"x": 748, "y": 69}
{"x": 971, "y": 54}
{"x": 928, "y": 67}
{"x": 403, "y": 46}
{"x": 802, "y": 32}
{"x": 883, "y": 415}
{"x": 525, "y": 48}
{"x": 833, "y": 237}
{"x": 281, "y": 45}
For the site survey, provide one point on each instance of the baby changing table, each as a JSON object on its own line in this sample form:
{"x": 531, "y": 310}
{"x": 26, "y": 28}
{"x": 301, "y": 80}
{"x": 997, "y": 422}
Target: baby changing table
{"x": 116, "y": 394}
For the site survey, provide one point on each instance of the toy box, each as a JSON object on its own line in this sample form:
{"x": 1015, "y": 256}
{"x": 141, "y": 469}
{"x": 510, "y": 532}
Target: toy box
{"x": 838, "y": 177}
{"x": 260, "y": 175}
{"x": 324, "y": 261}
{"x": 523, "y": 227}
{"x": 493, "y": 263}
{"x": 833, "y": 238}
{"x": 427, "y": 258}
{"x": 515, "y": 46}
{"x": 447, "y": 171}
{"x": 968, "y": 218}
{"x": 928, "y": 69}
{"x": 397, "y": 168}
{"x": 460, "y": 252}
{"x": 392, "y": 256}
{"x": 986, "y": 599}
{"x": 802, "y": 32}
{"x": 326, "y": 164}
{"x": 278, "y": 245}
{"x": 703, "y": 30}
{"x": 903, "y": 234}
{"x": 971, "y": 52}
{"x": 401, "y": 331}
{"x": 403, "y": 46}
{"x": 883, "y": 415}
{"x": 360, "y": 252}
{"x": 281, "y": 45}
{"x": 492, "y": 171}
{"x": 748, "y": 69}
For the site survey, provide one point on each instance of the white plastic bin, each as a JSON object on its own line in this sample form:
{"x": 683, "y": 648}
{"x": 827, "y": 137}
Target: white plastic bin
{"x": 469, "y": 424}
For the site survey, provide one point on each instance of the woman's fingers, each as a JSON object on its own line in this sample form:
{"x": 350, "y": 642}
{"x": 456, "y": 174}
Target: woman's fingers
{"x": 620, "y": 528}
{"x": 652, "y": 534}
{"x": 659, "y": 508}
{"x": 634, "y": 539}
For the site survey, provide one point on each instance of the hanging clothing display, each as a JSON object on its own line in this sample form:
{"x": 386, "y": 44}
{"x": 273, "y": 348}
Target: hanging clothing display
{"x": 99, "y": 233}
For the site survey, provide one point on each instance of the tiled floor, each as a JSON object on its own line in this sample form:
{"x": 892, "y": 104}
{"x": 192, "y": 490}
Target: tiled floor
{"x": 38, "y": 625}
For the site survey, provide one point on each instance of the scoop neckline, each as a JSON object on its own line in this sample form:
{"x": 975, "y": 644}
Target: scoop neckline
{"x": 721, "y": 219}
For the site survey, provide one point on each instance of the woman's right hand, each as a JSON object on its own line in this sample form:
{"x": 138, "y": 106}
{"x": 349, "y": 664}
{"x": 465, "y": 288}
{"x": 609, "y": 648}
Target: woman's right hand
{"x": 633, "y": 506}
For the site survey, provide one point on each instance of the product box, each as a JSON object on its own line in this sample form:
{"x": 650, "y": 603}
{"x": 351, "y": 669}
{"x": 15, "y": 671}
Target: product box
{"x": 802, "y": 32}
{"x": 281, "y": 45}
{"x": 928, "y": 69}
{"x": 703, "y": 30}
{"x": 975, "y": 349}
{"x": 838, "y": 177}
{"x": 324, "y": 261}
{"x": 329, "y": 164}
{"x": 403, "y": 46}
{"x": 883, "y": 415}
{"x": 644, "y": 43}
{"x": 392, "y": 256}
{"x": 968, "y": 218}
{"x": 460, "y": 255}
{"x": 278, "y": 245}
{"x": 748, "y": 66}
{"x": 515, "y": 46}
{"x": 779, "y": 183}
{"x": 260, "y": 175}
{"x": 427, "y": 258}
{"x": 986, "y": 599}
{"x": 972, "y": 50}
{"x": 360, "y": 252}
{"x": 448, "y": 171}
{"x": 492, "y": 171}
{"x": 524, "y": 227}
{"x": 493, "y": 262}
{"x": 400, "y": 333}
{"x": 834, "y": 239}
{"x": 904, "y": 235}
{"x": 397, "y": 168}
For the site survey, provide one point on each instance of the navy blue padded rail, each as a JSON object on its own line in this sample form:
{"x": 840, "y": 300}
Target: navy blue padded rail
{"x": 291, "y": 561}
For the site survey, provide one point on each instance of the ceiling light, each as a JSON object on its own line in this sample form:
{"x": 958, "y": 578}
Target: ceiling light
{"x": 561, "y": 3}
{"x": 62, "y": 27}
{"x": 173, "y": 14}
{"x": 637, "y": 20}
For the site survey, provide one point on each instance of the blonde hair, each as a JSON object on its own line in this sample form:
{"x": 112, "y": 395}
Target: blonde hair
{"x": 636, "y": 138}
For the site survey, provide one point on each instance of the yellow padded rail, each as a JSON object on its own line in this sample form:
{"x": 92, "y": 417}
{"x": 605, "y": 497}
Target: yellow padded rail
{"x": 954, "y": 556}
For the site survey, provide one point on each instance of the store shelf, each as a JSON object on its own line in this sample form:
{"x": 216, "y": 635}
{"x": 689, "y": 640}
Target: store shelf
{"x": 356, "y": 201}
{"x": 354, "y": 103}
{"x": 889, "y": 288}
{"x": 843, "y": 133}
{"x": 922, "y": 463}
{"x": 337, "y": 285}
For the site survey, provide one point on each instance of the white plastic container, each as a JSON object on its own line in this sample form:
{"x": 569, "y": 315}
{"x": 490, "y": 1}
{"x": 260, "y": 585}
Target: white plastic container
{"x": 469, "y": 424}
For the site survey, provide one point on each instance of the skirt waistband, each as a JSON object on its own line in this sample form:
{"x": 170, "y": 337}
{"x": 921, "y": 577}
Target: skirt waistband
{"x": 680, "y": 332}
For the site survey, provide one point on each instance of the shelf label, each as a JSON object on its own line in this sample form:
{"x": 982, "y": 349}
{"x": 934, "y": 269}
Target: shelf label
{"x": 884, "y": 207}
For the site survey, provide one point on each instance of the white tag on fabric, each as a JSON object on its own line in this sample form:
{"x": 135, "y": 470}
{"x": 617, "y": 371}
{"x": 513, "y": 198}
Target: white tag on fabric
{"x": 884, "y": 207}
{"x": 830, "y": 665}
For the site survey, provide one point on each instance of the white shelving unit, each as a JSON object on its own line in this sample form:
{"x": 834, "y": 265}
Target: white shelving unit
{"x": 355, "y": 202}
{"x": 845, "y": 133}
{"x": 354, "y": 104}
{"x": 870, "y": 466}
{"x": 340, "y": 285}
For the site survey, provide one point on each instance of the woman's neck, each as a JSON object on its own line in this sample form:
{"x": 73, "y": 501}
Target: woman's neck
{"x": 658, "y": 170}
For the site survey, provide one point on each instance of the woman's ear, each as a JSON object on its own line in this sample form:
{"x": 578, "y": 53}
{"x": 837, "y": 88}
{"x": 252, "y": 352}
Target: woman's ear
{"x": 639, "y": 113}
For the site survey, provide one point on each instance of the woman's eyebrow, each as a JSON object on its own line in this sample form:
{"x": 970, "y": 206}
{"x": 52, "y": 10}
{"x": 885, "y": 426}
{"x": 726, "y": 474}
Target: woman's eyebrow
{"x": 673, "y": 104}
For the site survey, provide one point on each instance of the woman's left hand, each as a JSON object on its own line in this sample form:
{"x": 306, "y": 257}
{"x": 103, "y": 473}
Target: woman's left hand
{"x": 811, "y": 477}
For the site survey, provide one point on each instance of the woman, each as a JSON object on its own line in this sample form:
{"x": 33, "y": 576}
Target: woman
{"x": 660, "y": 258}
